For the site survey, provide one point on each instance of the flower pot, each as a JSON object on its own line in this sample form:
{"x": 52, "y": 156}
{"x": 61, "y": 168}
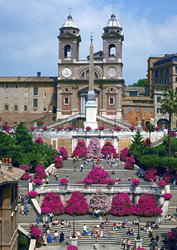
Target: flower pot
{"x": 136, "y": 188}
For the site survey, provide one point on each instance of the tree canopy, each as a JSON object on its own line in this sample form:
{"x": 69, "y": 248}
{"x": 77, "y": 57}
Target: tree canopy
{"x": 140, "y": 83}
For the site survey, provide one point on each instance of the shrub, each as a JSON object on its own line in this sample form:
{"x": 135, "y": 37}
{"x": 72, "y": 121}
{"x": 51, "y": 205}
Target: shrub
{"x": 88, "y": 128}
{"x": 121, "y": 205}
{"x": 118, "y": 128}
{"x": 58, "y": 161}
{"x": 136, "y": 182}
{"x": 77, "y": 204}
{"x": 59, "y": 128}
{"x": 64, "y": 153}
{"x": 99, "y": 201}
{"x": 109, "y": 149}
{"x": 53, "y": 202}
{"x": 33, "y": 194}
{"x": 39, "y": 140}
{"x": 70, "y": 128}
{"x": 147, "y": 142}
{"x": 37, "y": 181}
{"x": 71, "y": 247}
{"x": 24, "y": 167}
{"x": 167, "y": 196}
{"x": 172, "y": 236}
{"x": 147, "y": 206}
{"x": 94, "y": 150}
{"x": 97, "y": 176}
{"x": 156, "y": 128}
{"x": 80, "y": 149}
{"x": 64, "y": 181}
{"x": 26, "y": 176}
{"x": 130, "y": 161}
{"x": 32, "y": 128}
{"x": 150, "y": 174}
{"x": 44, "y": 128}
{"x": 162, "y": 183}
{"x": 40, "y": 172}
{"x": 132, "y": 128}
{"x": 123, "y": 154}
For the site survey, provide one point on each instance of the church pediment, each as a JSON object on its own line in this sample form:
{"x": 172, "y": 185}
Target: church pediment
{"x": 112, "y": 34}
{"x": 86, "y": 89}
{"x": 69, "y": 35}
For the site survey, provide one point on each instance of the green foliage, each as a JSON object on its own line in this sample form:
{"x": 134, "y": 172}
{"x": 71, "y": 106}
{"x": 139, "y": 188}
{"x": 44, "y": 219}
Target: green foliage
{"x": 141, "y": 83}
{"x": 23, "y": 150}
{"x": 168, "y": 162}
{"x": 23, "y": 242}
{"x": 149, "y": 161}
{"x": 137, "y": 143}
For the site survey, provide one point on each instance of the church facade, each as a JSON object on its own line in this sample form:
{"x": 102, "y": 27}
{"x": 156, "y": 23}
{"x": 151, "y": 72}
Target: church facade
{"x": 73, "y": 74}
{"x": 44, "y": 99}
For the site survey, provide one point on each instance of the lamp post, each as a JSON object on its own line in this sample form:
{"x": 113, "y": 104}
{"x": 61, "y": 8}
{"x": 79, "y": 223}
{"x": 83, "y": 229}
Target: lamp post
{"x": 74, "y": 226}
{"x": 138, "y": 236}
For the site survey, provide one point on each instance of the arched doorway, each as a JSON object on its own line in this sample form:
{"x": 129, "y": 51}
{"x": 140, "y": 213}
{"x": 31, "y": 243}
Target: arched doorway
{"x": 163, "y": 123}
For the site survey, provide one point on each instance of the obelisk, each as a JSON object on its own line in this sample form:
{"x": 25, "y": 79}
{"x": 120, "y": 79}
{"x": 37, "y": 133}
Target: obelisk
{"x": 91, "y": 105}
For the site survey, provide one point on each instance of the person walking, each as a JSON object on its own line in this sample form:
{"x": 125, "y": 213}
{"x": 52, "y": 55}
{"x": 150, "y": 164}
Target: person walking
{"x": 124, "y": 243}
{"x": 26, "y": 210}
{"x": 56, "y": 236}
{"x": 22, "y": 209}
{"x": 51, "y": 216}
{"x": 61, "y": 238}
{"x": 38, "y": 219}
{"x": 22, "y": 199}
{"x": 26, "y": 199}
{"x": 81, "y": 168}
{"x": 128, "y": 244}
{"x": 67, "y": 175}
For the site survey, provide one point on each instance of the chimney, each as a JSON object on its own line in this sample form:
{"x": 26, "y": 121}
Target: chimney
{"x": 10, "y": 168}
{"x": 38, "y": 74}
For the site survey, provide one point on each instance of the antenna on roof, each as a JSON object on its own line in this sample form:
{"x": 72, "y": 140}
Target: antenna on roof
{"x": 112, "y": 9}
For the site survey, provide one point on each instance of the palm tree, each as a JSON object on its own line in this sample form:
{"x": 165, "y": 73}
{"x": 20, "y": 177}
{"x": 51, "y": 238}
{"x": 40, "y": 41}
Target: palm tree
{"x": 169, "y": 104}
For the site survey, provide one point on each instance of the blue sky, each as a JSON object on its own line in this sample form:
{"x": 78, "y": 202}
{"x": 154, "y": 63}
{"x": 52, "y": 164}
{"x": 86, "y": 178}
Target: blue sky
{"x": 29, "y": 29}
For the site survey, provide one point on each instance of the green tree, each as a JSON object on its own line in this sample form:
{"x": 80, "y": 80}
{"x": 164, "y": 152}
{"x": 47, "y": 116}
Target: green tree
{"x": 150, "y": 129}
{"x": 137, "y": 143}
{"x": 141, "y": 83}
{"x": 169, "y": 104}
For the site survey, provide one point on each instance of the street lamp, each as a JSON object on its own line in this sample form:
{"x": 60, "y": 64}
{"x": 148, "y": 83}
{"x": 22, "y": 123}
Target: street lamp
{"x": 74, "y": 226}
{"x": 138, "y": 236}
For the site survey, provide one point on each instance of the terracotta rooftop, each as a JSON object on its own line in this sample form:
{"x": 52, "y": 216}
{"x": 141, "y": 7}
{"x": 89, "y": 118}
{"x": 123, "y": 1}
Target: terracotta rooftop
{"x": 10, "y": 174}
{"x": 28, "y": 79}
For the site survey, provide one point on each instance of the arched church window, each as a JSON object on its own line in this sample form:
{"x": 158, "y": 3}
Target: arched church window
{"x": 35, "y": 91}
{"x": 67, "y": 51}
{"x": 83, "y": 75}
{"x": 112, "y": 50}
{"x": 25, "y": 107}
{"x": 96, "y": 75}
{"x": 87, "y": 74}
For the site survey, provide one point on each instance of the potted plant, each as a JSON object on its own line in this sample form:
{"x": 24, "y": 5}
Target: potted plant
{"x": 118, "y": 128}
{"x": 132, "y": 128}
{"x": 44, "y": 128}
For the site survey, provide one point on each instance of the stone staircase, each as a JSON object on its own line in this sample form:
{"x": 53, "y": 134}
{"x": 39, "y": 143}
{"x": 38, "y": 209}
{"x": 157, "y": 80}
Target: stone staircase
{"x": 30, "y": 218}
{"x": 157, "y": 142}
{"x": 114, "y": 238}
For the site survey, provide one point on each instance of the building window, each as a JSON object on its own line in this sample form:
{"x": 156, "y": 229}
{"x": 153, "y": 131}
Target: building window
{"x": 25, "y": 107}
{"x": 166, "y": 80}
{"x": 5, "y": 86}
{"x": 152, "y": 110}
{"x": 6, "y": 107}
{"x": 129, "y": 108}
{"x": 176, "y": 70}
{"x": 16, "y": 86}
{"x": 35, "y": 103}
{"x": 67, "y": 51}
{"x": 156, "y": 73}
{"x": 159, "y": 111}
{"x": 44, "y": 95}
{"x": 133, "y": 93}
{"x": 55, "y": 97}
{"x": 44, "y": 108}
{"x": 158, "y": 99}
{"x": 16, "y": 107}
{"x": 83, "y": 75}
{"x": 25, "y": 95}
{"x": 137, "y": 109}
{"x": 111, "y": 101}
{"x": 156, "y": 81}
{"x": 161, "y": 81}
{"x": 6, "y": 95}
{"x": 167, "y": 71}
{"x": 145, "y": 109}
{"x": 112, "y": 50}
{"x": 66, "y": 101}
{"x": 161, "y": 72}
{"x": 15, "y": 95}
{"x": 25, "y": 86}
{"x": 35, "y": 91}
